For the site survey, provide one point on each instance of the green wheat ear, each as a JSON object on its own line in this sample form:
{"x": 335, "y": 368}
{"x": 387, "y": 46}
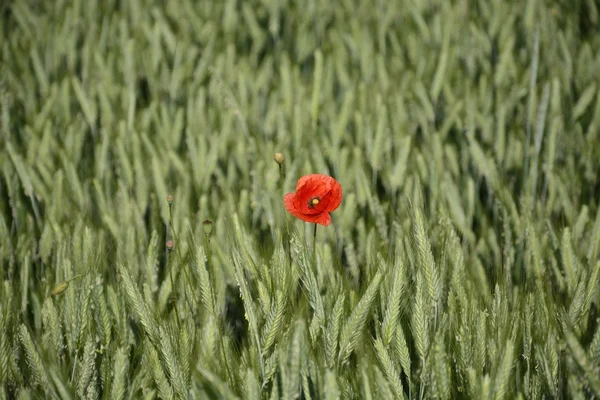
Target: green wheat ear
{"x": 354, "y": 326}
{"x": 34, "y": 362}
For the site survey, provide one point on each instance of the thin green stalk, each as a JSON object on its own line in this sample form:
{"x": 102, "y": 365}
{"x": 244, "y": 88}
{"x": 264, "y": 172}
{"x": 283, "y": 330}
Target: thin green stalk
{"x": 281, "y": 178}
{"x": 314, "y": 255}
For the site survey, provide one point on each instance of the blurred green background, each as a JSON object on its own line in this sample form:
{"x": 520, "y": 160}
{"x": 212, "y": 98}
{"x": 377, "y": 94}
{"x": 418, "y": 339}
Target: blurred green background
{"x": 462, "y": 263}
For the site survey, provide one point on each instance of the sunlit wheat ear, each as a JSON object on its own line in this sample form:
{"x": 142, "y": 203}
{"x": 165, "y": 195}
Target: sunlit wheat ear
{"x": 120, "y": 369}
{"x": 355, "y": 325}
{"x": 87, "y": 369}
{"x": 389, "y": 368}
{"x": 140, "y": 309}
{"x": 402, "y": 353}
{"x": 34, "y": 362}
{"x": 293, "y": 360}
{"x": 151, "y": 356}
{"x": 583, "y": 362}
{"x": 392, "y": 312}
{"x": 167, "y": 352}
{"x": 274, "y": 322}
{"x": 205, "y": 282}
{"x": 252, "y": 388}
{"x": 332, "y": 332}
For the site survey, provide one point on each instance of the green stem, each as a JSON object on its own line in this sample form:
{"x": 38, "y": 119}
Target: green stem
{"x": 281, "y": 178}
{"x": 314, "y": 256}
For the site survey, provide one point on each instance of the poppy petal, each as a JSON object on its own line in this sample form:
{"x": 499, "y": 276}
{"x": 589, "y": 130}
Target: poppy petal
{"x": 315, "y": 185}
{"x": 291, "y": 208}
{"x": 332, "y": 199}
{"x": 335, "y": 196}
{"x": 323, "y": 219}
{"x": 289, "y": 201}
{"x": 315, "y": 209}
{"x": 302, "y": 181}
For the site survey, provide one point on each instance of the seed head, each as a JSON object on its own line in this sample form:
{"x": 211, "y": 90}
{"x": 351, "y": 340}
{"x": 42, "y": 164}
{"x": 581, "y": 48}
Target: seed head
{"x": 170, "y": 245}
{"x": 279, "y": 158}
{"x": 207, "y": 226}
{"x": 170, "y": 199}
{"x": 61, "y": 287}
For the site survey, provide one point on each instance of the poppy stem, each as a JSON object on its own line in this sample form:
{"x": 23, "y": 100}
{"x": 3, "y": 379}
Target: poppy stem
{"x": 281, "y": 177}
{"x": 314, "y": 256}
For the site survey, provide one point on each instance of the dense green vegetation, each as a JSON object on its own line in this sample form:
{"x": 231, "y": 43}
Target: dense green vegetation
{"x": 463, "y": 262}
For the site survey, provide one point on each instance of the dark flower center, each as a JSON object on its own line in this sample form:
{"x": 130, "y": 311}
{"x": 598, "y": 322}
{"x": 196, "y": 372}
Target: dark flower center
{"x": 313, "y": 202}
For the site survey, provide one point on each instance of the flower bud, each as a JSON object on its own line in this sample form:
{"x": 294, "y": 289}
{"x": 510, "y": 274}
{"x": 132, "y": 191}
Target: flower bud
{"x": 170, "y": 245}
{"x": 279, "y": 158}
{"x": 170, "y": 199}
{"x": 207, "y": 226}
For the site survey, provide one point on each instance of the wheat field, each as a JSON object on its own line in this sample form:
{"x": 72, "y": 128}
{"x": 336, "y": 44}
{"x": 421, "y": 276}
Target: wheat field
{"x": 462, "y": 263}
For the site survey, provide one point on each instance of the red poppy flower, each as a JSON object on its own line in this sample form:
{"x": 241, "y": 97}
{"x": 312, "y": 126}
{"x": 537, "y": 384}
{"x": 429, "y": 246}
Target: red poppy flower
{"x": 316, "y": 196}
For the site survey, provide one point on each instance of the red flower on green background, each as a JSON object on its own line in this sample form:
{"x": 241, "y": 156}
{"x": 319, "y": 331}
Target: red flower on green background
{"x": 316, "y": 196}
